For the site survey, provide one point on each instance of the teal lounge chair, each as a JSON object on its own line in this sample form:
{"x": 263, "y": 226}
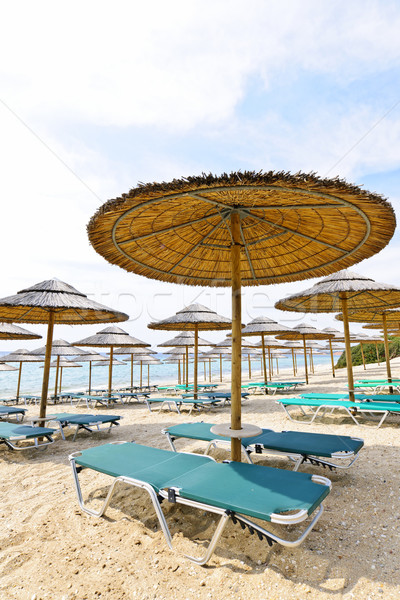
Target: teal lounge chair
{"x": 236, "y": 491}
{"x": 301, "y": 447}
{"x": 353, "y": 409}
{"x": 178, "y": 403}
{"x": 12, "y": 411}
{"x": 358, "y": 397}
{"x": 88, "y": 423}
{"x": 24, "y": 437}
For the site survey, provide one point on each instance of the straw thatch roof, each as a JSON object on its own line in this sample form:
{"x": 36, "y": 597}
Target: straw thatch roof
{"x": 64, "y": 363}
{"x": 115, "y": 362}
{"x": 261, "y": 325}
{"x": 333, "y": 331}
{"x": 4, "y": 367}
{"x": 21, "y": 356}
{"x": 147, "y": 360}
{"x": 134, "y": 351}
{"x": 90, "y": 357}
{"x": 33, "y": 305}
{"x": 325, "y": 296}
{"x": 192, "y": 317}
{"x": 374, "y": 316}
{"x": 60, "y": 348}
{"x": 111, "y": 336}
{"x": 292, "y": 227}
{"x": 13, "y": 332}
{"x": 185, "y": 338}
{"x": 304, "y": 331}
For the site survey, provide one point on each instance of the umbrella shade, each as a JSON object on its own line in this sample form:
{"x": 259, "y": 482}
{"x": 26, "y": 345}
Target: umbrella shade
{"x": 21, "y": 356}
{"x": 109, "y": 338}
{"x": 342, "y": 292}
{"x": 50, "y": 302}
{"x": 8, "y": 331}
{"x": 241, "y": 229}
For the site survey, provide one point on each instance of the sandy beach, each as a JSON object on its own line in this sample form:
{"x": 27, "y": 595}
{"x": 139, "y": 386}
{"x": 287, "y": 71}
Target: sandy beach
{"x": 51, "y": 549}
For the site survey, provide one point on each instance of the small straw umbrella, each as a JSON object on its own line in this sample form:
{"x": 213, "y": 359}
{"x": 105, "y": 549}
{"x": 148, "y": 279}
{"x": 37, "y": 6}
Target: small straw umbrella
{"x": 383, "y": 317}
{"x": 337, "y": 334}
{"x": 51, "y": 302}
{"x": 186, "y": 339}
{"x": 134, "y": 353}
{"x": 270, "y": 343}
{"x": 8, "y": 331}
{"x": 20, "y": 356}
{"x": 195, "y": 317}
{"x": 60, "y": 364}
{"x": 90, "y": 357}
{"x": 262, "y": 326}
{"x": 294, "y": 347}
{"x": 111, "y": 337}
{"x": 147, "y": 360}
{"x": 60, "y": 348}
{"x": 5, "y": 367}
{"x": 242, "y": 228}
{"x": 343, "y": 292}
{"x": 304, "y": 332}
{"x": 379, "y": 339}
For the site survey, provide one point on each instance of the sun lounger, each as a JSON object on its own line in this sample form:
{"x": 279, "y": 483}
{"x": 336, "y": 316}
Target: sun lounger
{"x": 377, "y": 386}
{"x": 319, "y": 408}
{"x": 90, "y": 423}
{"x": 24, "y": 437}
{"x": 92, "y": 401}
{"x": 178, "y": 403}
{"x": 301, "y": 447}
{"x": 236, "y": 491}
{"x": 12, "y": 411}
{"x": 358, "y": 397}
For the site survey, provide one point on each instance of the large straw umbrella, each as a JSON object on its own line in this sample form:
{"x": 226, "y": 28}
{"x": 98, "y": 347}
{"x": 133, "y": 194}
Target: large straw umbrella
{"x": 134, "y": 353}
{"x": 21, "y": 356}
{"x": 241, "y": 229}
{"x": 304, "y": 332}
{"x": 51, "y": 302}
{"x": 383, "y": 317}
{"x": 263, "y": 326}
{"x": 195, "y": 317}
{"x": 111, "y": 337}
{"x": 343, "y": 292}
{"x": 187, "y": 340}
{"x": 8, "y": 331}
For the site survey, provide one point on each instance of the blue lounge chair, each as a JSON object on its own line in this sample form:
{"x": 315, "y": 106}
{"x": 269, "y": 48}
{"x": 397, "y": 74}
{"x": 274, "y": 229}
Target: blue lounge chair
{"x": 88, "y": 423}
{"x": 12, "y": 411}
{"x": 24, "y": 437}
{"x": 236, "y": 491}
{"x": 300, "y": 447}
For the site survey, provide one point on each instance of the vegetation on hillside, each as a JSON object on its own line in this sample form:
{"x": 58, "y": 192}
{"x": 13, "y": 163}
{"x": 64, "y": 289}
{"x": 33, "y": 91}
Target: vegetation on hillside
{"x": 370, "y": 353}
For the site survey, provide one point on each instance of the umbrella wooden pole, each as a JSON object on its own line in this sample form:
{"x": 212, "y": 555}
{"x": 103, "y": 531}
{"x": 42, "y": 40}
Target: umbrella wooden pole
{"x": 263, "y": 358}
{"x": 277, "y": 366}
{"x": 148, "y": 375}
{"x": 179, "y": 372}
{"x": 220, "y": 367}
{"x": 236, "y": 408}
{"x": 141, "y": 374}
{"x": 187, "y": 366}
{"x": 196, "y": 359}
{"x": 349, "y": 362}
{"x": 110, "y": 366}
{"x": 46, "y": 370}
{"x": 332, "y": 361}
{"x": 377, "y": 353}
{"x": 131, "y": 371}
{"x": 305, "y": 357}
{"x": 249, "y": 359}
{"x": 311, "y": 361}
{"x": 90, "y": 376}
{"x": 270, "y": 364}
{"x": 294, "y": 366}
{"x": 19, "y": 381}
{"x": 386, "y": 342}
{"x": 295, "y": 362}
{"x": 61, "y": 373}
{"x": 205, "y": 371}
{"x": 209, "y": 370}
{"x": 362, "y": 355}
{"x": 56, "y": 381}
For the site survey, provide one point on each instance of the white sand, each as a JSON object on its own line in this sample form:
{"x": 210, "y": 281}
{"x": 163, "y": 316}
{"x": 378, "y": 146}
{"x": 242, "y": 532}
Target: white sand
{"x": 50, "y": 549}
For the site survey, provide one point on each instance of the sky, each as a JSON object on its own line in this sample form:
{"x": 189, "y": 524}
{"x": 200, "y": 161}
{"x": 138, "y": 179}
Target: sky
{"x": 96, "y": 97}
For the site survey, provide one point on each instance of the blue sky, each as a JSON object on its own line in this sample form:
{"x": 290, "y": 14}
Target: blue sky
{"x": 96, "y": 97}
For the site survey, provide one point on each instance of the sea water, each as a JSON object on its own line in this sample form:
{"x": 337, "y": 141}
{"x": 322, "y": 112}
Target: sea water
{"x": 78, "y": 378}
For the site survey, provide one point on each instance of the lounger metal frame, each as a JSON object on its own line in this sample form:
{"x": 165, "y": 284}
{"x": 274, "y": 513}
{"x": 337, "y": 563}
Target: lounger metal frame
{"x": 172, "y": 495}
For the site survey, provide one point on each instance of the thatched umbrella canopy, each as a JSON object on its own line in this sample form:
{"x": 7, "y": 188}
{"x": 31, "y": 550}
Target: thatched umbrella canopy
{"x": 4, "y": 367}
{"x": 116, "y": 363}
{"x": 241, "y": 229}
{"x": 262, "y": 326}
{"x": 195, "y": 317}
{"x": 304, "y": 332}
{"x": 21, "y": 356}
{"x": 50, "y": 302}
{"x": 8, "y": 331}
{"x": 343, "y": 292}
{"x": 186, "y": 339}
{"x": 134, "y": 352}
{"x": 90, "y": 357}
{"x": 111, "y": 337}
{"x": 377, "y": 316}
